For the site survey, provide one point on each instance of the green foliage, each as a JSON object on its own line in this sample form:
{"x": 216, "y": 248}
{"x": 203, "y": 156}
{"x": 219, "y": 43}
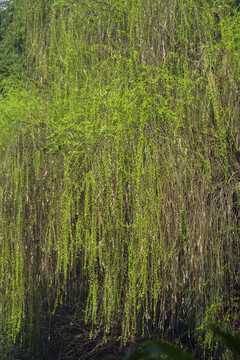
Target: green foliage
{"x": 156, "y": 349}
{"x": 119, "y": 155}
{"x": 11, "y": 43}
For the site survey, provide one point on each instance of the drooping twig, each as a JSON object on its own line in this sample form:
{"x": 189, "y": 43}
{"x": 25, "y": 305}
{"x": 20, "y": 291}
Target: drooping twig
{"x": 112, "y": 6}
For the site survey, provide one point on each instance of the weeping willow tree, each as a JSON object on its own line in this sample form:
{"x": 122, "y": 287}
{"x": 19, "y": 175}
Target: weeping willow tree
{"x": 120, "y": 165}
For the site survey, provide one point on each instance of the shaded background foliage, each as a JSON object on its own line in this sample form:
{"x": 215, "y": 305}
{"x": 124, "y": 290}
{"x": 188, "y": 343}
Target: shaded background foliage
{"x": 119, "y": 172}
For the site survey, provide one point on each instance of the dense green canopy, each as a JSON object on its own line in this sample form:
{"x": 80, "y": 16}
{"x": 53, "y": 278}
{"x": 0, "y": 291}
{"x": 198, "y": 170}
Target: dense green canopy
{"x": 119, "y": 164}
